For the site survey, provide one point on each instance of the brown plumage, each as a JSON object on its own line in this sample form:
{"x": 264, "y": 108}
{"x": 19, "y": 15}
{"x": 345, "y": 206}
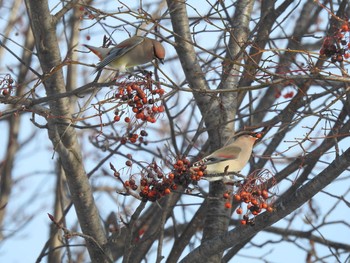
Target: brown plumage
{"x": 228, "y": 159}
{"x": 131, "y": 52}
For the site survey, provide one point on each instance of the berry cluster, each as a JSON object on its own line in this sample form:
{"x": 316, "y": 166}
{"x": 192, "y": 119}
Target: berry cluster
{"x": 337, "y": 47}
{"x": 138, "y": 102}
{"x": 252, "y": 193}
{"x": 183, "y": 175}
{"x": 288, "y": 95}
{"x": 6, "y": 85}
{"x": 153, "y": 183}
{"x": 134, "y": 137}
{"x": 85, "y": 13}
{"x": 141, "y": 97}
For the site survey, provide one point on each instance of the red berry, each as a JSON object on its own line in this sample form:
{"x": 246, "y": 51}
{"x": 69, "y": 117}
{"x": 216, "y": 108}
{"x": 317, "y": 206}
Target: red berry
{"x": 133, "y": 140}
{"x": 141, "y": 94}
{"x": 288, "y": 95}
{"x": 129, "y": 89}
{"x": 237, "y": 197}
{"x": 155, "y": 109}
{"x": 254, "y": 201}
{"x": 143, "y": 182}
{"x": 200, "y": 173}
{"x": 140, "y": 115}
{"x": 116, "y": 118}
{"x": 161, "y": 108}
{"x": 269, "y": 209}
{"x": 180, "y": 163}
{"x": 345, "y": 27}
{"x": 264, "y": 194}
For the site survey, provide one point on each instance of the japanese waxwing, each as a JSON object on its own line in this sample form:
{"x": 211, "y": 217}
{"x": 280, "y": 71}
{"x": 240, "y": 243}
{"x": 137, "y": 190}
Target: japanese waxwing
{"x": 229, "y": 159}
{"x": 133, "y": 51}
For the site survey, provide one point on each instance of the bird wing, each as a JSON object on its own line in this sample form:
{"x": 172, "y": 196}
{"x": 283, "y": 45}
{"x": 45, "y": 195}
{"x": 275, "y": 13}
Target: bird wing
{"x": 224, "y": 154}
{"x": 118, "y": 51}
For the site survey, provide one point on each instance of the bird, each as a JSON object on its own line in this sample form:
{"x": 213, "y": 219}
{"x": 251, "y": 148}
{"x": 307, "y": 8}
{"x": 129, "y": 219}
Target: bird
{"x": 131, "y": 52}
{"x": 229, "y": 159}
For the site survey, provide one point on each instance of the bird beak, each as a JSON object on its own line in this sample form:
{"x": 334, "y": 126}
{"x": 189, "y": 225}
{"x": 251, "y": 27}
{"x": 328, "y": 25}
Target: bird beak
{"x": 161, "y": 60}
